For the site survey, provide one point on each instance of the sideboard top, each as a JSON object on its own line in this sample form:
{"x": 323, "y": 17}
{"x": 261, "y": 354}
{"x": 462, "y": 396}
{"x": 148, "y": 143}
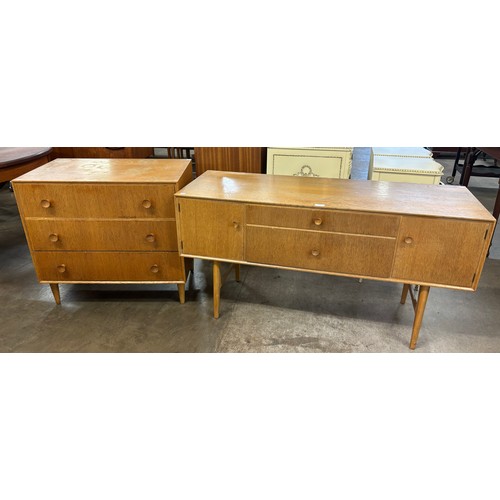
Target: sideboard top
{"x": 114, "y": 170}
{"x": 342, "y": 194}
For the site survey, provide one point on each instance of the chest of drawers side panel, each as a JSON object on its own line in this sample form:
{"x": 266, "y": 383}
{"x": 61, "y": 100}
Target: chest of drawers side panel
{"x": 446, "y": 252}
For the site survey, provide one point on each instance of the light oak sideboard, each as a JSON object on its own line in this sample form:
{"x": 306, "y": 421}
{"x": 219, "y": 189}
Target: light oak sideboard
{"x": 423, "y": 235}
{"x": 103, "y": 221}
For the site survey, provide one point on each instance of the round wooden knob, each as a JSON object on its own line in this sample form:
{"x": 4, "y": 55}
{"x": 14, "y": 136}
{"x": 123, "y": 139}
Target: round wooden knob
{"x": 45, "y": 203}
{"x": 236, "y": 225}
{"x": 318, "y": 221}
{"x": 150, "y": 237}
{"x": 315, "y": 253}
{"x": 53, "y": 237}
{"x": 154, "y": 268}
{"x": 61, "y": 268}
{"x": 146, "y": 204}
{"x": 408, "y": 240}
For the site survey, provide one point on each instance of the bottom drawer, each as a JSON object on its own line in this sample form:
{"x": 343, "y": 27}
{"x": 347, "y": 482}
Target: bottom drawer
{"x": 330, "y": 252}
{"x": 63, "y": 267}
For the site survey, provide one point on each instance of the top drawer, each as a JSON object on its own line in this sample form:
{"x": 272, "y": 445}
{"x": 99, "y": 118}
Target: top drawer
{"x": 95, "y": 200}
{"x": 336, "y": 221}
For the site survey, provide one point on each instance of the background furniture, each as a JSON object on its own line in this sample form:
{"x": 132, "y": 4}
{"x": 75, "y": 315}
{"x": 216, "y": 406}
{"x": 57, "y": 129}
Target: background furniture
{"x": 443, "y": 151}
{"x": 334, "y": 162}
{"x": 470, "y": 167}
{"x": 494, "y": 152}
{"x": 174, "y": 152}
{"x": 423, "y": 170}
{"x": 82, "y": 152}
{"x": 380, "y": 230}
{"x": 17, "y": 161}
{"x": 415, "y": 152}
{"x": 103, "y": 221}
{"x": 230, "y": 159}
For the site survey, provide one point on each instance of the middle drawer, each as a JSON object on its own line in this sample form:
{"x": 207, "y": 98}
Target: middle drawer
{"x": 335, "y": 221}
{"x": 112, "y": 235}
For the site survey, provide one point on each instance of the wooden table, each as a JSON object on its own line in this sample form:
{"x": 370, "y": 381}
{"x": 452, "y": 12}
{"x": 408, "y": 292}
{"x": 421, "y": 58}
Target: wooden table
{"x": 18, "y": 161}
{"x": 385, "y": 231}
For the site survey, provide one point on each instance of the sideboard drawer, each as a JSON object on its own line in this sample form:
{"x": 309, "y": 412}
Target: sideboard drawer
{"x": 108, "y": 266}
{"x": 95, "y": 200}
{"x": 121, "y": 235}
{"x": 313, "y": 250}
{"x": 324, "y": 220}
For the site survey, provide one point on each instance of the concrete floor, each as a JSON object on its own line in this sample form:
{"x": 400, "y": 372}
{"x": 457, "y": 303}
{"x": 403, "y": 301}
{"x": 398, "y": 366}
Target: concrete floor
{"x": 270, "y": 310}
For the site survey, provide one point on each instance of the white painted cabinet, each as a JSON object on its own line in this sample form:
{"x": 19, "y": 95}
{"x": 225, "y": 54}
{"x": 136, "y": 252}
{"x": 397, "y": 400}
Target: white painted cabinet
{"x": 334, "y": 162}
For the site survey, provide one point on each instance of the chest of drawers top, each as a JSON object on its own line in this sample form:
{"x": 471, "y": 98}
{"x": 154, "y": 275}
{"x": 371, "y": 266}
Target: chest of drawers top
{"x": 122, "y": 171}
{"x": 339, "y": 194}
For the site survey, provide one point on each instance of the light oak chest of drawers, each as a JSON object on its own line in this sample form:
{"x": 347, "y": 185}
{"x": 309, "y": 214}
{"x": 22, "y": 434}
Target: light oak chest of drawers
{"x": 103, "y": 220}
{"x": 408, "y": 233}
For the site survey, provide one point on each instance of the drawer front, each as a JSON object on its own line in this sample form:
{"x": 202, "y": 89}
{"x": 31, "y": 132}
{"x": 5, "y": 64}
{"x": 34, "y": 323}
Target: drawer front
{"x": 95, "y": 200}
{"x": 444, "y": 252}
{"x": 108, "y": 266}
{"x": 336, "y": 253}
{"x": 324, "y": 220}
{"x": 117, "y": 235}
{"x": 302, "y": 164}
{"x": 211, "y": 229}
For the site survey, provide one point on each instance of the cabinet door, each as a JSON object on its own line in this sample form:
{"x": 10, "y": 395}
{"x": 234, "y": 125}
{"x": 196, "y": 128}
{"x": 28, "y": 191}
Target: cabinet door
{"x": 443, "y": 252}
{"x": 211, "y": 229}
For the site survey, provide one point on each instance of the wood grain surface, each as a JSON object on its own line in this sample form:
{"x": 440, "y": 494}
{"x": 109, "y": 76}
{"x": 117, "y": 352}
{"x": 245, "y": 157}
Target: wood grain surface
{"x": 122, "y": 170}
{"x": 341, "y": 194}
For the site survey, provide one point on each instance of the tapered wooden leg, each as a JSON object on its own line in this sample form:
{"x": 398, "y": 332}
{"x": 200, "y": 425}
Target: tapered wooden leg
{"x": 182, "y": 292}
{"x": 217, "y": 286}
{"x": 55, "y": 292}
{"x": 419, "y": 314}
{"x": 237, "y": 272}
{"x": 406, "y": 289}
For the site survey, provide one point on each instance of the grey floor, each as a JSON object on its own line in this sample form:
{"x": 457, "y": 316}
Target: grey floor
{"x": 270, "y": 310}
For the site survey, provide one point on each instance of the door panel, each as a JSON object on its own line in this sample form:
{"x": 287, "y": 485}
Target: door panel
{"x": 444, "y": 252}
{"x": 211, "y": 228}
